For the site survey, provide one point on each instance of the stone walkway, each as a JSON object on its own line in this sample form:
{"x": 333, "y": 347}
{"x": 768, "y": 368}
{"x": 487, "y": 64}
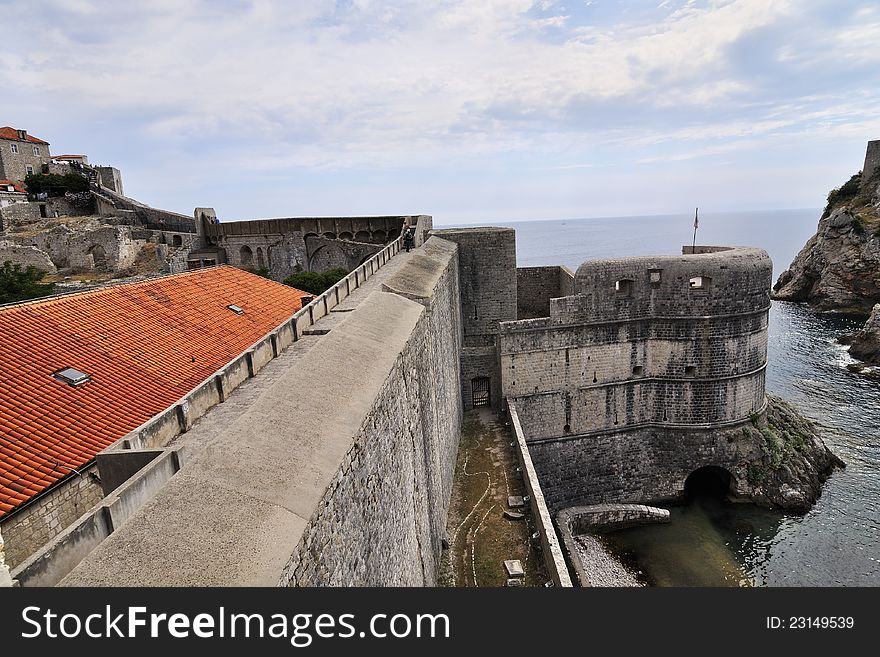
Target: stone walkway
{"x": 201, "y": 435}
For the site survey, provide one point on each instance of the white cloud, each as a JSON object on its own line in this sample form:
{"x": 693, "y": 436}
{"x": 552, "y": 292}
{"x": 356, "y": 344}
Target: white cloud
{"x": 274, "y": 85}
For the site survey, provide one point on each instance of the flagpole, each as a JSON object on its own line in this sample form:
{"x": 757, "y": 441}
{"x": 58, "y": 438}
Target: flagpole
{"x": 696, "y": 223}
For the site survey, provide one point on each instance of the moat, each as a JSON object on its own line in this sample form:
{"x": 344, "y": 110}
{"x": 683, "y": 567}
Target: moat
{"x": 838, "y": 541}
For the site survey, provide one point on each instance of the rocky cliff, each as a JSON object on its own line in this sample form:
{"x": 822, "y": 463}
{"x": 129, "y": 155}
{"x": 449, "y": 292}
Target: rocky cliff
{"x": 865, "y": 344}
{"x": 839, "y": 267}
{"x": 785, "y": 458}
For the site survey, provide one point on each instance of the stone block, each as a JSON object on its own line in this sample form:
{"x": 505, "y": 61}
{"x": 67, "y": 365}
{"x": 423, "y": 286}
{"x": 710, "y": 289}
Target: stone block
{"x": 514, "y": 568}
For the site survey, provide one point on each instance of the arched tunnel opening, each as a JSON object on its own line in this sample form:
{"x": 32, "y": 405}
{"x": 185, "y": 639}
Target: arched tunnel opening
{"x": 710, "y": 481}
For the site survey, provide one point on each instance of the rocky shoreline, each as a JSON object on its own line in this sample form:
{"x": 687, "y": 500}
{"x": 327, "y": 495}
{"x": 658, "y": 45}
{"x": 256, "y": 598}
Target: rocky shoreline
{"x": 839, "y": 267}
{"x": 788, "y": 461}
{"x": 865, "y": 344}
{"x": 601, "y": 567}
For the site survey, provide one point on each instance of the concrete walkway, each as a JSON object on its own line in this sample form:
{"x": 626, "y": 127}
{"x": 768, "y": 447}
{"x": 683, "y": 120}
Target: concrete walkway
{"x": 257, "y": 465}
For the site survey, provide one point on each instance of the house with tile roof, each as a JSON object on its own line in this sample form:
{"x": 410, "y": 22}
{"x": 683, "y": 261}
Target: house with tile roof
{"x": 81, "y": 371}
{"x": 21, "y": 154}
{"x": 11, "y": 192}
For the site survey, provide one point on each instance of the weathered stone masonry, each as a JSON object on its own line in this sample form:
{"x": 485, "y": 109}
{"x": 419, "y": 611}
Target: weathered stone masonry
{"x": 618, "y": 390}
{"x": 289, "y": 245}
{"x": 487, "y": 271}
{"x": 342, "y": 478}
{"x": 382, "y": 519}
{"x": 45, "y": 517}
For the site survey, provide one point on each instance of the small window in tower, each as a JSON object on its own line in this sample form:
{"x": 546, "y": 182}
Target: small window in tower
{"x": 638, "y": 370}
{"x": 14, "y": 148}
{"x": 72, "y": 377}
{"x": 29, "y": 168}
{"x": 624, "y": 287}
{"x": 690, "y": 370}
{"x": 37, "y": 151}
{"x": 700, "y": 283}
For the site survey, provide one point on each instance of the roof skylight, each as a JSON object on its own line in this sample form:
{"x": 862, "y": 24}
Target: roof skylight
{"x": 72, "y": 376}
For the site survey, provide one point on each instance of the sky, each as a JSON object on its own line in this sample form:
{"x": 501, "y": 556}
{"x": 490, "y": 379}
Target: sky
{"x": 468, "y": 110}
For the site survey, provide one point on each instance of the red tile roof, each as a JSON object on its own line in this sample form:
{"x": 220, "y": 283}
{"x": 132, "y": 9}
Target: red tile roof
{"x": 68, "y": 157}
{"x": 11, "y": 133}
{"x": 144, "y": 345}
{"x": 7, "y": 183}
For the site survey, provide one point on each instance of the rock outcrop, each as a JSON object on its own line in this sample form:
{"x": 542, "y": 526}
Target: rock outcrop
{"x": 839, "y": 267}
{"x": 786, "y": 460}
{"x": 865, "y": 344}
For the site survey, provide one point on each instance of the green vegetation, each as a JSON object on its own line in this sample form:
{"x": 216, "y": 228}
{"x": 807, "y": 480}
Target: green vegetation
{"x": 846, "y": 192}
{"x": 18, "y": 285}
{"x": 262, "y": 271}
{"x": 315, "y": 282}
{"x": 54, "y": 184}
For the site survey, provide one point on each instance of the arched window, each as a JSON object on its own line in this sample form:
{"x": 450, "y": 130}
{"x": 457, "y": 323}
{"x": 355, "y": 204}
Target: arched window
{"x": 247, "y": 256}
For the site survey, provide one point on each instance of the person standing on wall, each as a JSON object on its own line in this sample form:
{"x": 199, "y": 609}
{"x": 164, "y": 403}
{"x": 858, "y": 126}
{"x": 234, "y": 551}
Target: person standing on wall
{"x": 408, "y": 238}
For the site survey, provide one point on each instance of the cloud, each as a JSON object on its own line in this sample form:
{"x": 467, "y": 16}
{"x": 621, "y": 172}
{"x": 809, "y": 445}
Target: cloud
{"x": 355, "y": 84}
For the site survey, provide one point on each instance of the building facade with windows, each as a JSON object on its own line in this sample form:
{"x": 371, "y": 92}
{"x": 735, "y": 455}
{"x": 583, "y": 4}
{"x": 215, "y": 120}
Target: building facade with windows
{"x": 21, "y": 154}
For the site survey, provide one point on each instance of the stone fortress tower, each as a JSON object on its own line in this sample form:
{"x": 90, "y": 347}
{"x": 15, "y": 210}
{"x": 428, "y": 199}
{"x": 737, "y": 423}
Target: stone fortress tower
{"x": 872, "y": 159}
{"x": 627, "y": 376}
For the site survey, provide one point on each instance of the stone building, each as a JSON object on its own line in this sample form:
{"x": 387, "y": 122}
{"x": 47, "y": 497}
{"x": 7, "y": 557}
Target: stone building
{"x": 11, "y": 192}
{"x": 21, "y": 154}
{"x": 107, "y": 361}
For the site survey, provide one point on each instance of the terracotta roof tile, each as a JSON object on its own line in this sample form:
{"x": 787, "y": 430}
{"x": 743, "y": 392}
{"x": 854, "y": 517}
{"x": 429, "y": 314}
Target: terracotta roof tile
{"x": 11, "y": 133}
{"x": 144, "y": 345}
{"x": 7, "y": 183}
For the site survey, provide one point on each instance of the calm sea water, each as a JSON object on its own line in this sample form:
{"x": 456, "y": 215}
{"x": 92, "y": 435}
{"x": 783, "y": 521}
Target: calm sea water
{"x": 838, "y": 542}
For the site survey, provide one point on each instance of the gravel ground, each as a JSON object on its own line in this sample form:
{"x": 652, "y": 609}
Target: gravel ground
{"x": 603, "y": 568}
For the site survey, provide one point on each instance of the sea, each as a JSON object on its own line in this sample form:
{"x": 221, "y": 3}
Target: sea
{"x": 711, "y": 542}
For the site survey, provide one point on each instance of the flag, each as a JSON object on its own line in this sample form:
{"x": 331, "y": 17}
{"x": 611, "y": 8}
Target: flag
{"x": 696, "y": 218}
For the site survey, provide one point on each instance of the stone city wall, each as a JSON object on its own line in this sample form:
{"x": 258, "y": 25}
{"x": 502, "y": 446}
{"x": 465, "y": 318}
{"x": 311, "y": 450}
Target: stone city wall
{"x": 290, "y": 245}
{"x": 487, "y": 271}
{"x": 109, "y": 203}
{"x": 382, "y": 519}
{"x": 551, "y": 548}
{"x": 600, "y": 376}
{"x": 535, "y": 286}
{"x": 647, "y": 466}
{"x": 62, "y": 553}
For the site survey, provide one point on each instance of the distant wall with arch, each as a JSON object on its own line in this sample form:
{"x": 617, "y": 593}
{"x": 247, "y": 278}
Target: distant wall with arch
{"x": 287, "y": 246}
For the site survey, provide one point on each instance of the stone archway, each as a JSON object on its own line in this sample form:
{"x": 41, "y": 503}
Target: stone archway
{"x": 709, "y": 481}
{"x": 99, "y": 257}
{"x": 246, "y": 256}
{"x": 261, "y": 261}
